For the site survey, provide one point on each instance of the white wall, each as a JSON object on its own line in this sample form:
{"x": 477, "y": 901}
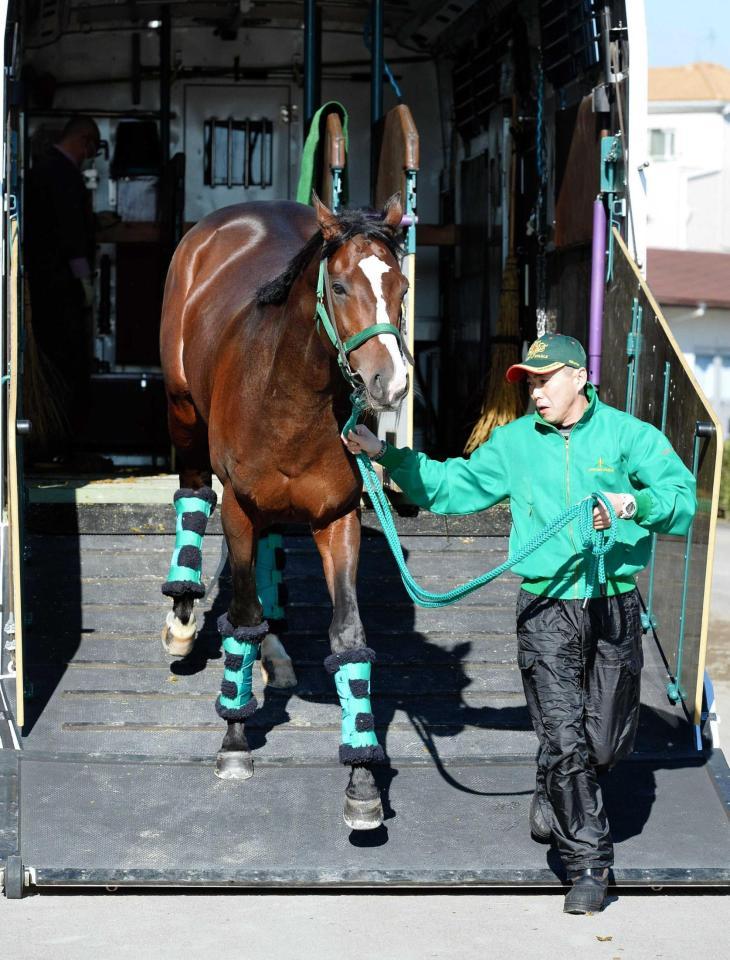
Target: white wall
{"x": 689, "y": 194}
{"x": 705, "y": 341}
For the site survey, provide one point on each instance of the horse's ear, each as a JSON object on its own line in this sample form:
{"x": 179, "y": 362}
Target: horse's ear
{"x": 327, "y": 220}
{"x": 393, "y": 211}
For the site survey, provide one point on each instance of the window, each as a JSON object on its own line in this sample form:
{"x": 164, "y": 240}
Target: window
{"x": 661, "y": 144}
{"x": 238, "y": 153}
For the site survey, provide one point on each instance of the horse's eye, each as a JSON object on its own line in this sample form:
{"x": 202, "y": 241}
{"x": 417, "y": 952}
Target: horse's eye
{"x": 338, "y": 288}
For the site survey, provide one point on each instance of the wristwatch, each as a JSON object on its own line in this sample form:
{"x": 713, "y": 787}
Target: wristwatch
{"x": 383, "y": 447}
{"x": 628, "y": 507}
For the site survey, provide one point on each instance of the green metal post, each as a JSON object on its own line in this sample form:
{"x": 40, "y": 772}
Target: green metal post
{"x": 336, "y": 189}
{"x": 648, "y": 619}
{"x": 633, "y": 349}
{"x": 675, "y": 691}
{"x": 312, "y": 61}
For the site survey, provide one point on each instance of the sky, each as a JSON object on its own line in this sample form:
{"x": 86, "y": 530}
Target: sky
{"x": 684, "y": 31}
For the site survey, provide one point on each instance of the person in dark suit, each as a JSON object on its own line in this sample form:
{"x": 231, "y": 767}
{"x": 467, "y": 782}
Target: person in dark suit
{"x": 59, "y": 256}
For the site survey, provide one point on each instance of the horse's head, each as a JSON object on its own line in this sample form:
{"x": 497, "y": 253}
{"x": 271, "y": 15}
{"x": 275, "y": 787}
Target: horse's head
{"x": 367, "y": 287}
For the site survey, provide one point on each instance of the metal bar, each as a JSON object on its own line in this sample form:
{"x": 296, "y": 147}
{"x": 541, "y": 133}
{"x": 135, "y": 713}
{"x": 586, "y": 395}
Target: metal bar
{"x": 675, "y": 692}
{"x": 630, "y": 343}
{"x": 136, "y": 70}
{"x": 262, "y": 149}
{"x": 246, "y": 153}
{"x": 312, "y": 61}
{"x": 378, "y": 61}
{"x": 606, "y": 42}
{"x": 336, "y": 189}
{"x": 165, "y": 65}
{"x": 270, "y": 175}
{"x": 213, "y": 131}
{"x": 376, "y": 86}
{"x": 648, "y": 620}
{"x": 598, "y": 286}
{"x": 633, "y": 349}
{"x": 229, "y": 153}
{"x": 674, "y": 687}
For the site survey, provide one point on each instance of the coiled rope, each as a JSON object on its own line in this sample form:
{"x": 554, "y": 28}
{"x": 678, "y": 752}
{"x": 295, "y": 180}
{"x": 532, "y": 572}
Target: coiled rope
{"x": 598, "y": 542}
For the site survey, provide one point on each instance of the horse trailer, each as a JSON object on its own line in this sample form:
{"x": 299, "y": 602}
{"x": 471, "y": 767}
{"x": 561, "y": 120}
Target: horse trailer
{"x": 515, "y": 132}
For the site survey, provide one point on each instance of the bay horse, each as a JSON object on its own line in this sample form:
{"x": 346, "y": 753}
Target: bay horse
{"x": 256, "y": 394}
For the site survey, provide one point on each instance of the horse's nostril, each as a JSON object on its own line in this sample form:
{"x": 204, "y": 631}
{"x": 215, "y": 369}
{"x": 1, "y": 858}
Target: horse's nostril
{"x": 376, "y": 388}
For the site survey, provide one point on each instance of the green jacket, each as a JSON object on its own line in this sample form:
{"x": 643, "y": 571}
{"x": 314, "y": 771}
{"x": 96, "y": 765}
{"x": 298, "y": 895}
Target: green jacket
{"x": 543, "y": 473}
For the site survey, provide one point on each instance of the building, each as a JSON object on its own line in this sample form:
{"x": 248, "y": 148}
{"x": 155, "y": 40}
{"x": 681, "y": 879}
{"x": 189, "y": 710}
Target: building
{"x": 688, "y": 192}
{"x": 693, "y": 288}
{"x": 689, "y": 145}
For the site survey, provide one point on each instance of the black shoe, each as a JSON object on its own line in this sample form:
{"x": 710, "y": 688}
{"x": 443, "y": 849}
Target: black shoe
{"x": 588, "y": 893}
{"x": 540, "y": 817}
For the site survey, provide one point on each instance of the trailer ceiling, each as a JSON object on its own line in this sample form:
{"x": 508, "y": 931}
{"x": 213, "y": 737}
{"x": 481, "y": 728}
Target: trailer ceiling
{"x": 419, "y": 22}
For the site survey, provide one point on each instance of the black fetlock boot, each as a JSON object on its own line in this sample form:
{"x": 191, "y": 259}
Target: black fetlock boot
{"x": 588, "y": 893}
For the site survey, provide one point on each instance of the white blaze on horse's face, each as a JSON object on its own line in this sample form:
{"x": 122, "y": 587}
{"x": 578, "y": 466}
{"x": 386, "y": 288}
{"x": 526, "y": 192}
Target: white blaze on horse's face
{"x": 374, "y": 269}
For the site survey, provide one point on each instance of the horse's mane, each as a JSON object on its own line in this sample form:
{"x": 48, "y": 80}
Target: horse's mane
{"x": 351, "y": 223}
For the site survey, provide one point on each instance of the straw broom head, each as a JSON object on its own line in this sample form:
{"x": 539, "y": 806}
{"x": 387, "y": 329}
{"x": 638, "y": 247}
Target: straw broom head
{"x": 502, "y": 401}
{"x": 44, "y": 392}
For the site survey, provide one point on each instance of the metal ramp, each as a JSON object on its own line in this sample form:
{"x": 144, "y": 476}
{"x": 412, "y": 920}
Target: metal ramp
{"x": 114, "y": 784}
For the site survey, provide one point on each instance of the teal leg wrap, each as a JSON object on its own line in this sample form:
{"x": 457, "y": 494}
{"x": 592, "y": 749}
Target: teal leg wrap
{"x": 241, "y": 647}
{"x": 269, "y": 578}
{"x": 193, "y": 508}
{"x": 351, "y": 671}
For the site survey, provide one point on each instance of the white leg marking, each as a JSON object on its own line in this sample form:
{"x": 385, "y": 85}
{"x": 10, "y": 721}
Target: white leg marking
{"x": 180, "y": 630}
{"x": 374, "y": 269}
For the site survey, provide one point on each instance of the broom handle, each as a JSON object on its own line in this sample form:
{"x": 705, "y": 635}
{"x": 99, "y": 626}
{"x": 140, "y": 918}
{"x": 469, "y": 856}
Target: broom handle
{"x": 512, "y": 180}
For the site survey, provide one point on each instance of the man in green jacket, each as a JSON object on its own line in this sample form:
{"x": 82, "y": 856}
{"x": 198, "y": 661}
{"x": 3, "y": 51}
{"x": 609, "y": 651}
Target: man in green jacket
{"x": 580, "y": 659}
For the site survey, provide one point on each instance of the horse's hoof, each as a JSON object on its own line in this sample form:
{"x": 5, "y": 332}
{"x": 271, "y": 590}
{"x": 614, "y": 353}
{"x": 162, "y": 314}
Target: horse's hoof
{"x": 178, "y": 638}
{"x": 363, "y": 814}
{"x": 277, "y": 669}
{"x": 233, "y": 765}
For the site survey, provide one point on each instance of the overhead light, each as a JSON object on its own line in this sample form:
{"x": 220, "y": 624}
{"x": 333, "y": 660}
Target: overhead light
{"x": 154, "y": 24}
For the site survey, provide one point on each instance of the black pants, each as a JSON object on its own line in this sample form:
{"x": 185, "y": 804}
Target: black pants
{"x": 581, "y": 671}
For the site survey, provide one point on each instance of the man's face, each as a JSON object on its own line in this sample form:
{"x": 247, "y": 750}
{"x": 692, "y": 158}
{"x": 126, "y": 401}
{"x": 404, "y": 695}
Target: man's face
{"x": 558, "y": 396}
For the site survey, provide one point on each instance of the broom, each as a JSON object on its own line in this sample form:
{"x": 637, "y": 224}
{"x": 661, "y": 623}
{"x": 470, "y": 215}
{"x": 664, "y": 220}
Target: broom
{"x": 502, "y": 402}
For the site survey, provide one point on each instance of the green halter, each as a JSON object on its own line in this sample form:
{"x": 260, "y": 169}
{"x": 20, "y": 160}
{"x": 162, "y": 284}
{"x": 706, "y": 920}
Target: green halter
{"x": 344, "y": 348}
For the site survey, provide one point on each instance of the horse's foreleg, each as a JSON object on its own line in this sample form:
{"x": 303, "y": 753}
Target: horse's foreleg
{"x": 242, "y": 630}
{"x": 350, "y": 663}
{"x": 193, "y": 507}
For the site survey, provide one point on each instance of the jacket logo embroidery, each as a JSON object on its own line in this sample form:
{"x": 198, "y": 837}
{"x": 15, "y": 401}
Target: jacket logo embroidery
{"x": 601, "y": 467}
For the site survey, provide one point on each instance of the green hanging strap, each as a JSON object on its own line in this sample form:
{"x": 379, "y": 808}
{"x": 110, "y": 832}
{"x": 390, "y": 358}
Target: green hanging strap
{"x": 599, "y": 542}
{"x": 305, "y": 183}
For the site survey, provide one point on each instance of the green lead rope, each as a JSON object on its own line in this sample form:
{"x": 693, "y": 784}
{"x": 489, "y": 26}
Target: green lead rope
{"x": 599, "y": 542}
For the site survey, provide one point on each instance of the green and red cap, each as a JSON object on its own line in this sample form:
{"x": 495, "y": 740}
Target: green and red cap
{"x": 548, "y": 353}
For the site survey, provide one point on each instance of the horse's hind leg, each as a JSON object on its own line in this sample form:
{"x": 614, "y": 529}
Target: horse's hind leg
{"x": 350, "y": 663}
{"x": 194, "y": 503}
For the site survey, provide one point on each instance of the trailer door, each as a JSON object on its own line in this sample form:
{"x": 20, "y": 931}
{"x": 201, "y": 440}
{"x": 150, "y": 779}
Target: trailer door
{"x": 646, "y": 374}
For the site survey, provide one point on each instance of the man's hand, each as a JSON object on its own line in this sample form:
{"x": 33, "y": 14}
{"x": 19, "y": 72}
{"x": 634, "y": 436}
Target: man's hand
{"x": 601, "y": 519}
{"x": 362, "y": 440}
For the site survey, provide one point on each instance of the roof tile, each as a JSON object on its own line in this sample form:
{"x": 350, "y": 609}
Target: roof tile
{"x": 689, "y": 277}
